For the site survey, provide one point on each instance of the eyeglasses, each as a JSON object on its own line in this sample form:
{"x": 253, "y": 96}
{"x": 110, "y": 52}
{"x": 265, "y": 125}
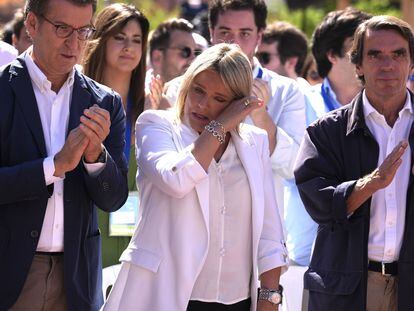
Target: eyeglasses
{"x": 185, "y": 51}
{"x": 264, "y": 57}
{"x": 65, "y": 31}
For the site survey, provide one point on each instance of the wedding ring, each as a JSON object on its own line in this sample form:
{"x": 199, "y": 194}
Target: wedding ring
{"x": 247, "y": 102}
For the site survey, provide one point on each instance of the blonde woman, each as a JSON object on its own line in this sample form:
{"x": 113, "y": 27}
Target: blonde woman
{"x": 209, "y": 226}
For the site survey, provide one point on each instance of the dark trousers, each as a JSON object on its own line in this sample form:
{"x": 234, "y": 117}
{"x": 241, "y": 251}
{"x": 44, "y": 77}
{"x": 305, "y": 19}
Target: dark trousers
{"x": 195, "y": 305}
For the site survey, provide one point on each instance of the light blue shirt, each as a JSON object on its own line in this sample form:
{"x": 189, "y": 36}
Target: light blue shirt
{"x": 300, "y": 228}
{"x": 321, "y": 102}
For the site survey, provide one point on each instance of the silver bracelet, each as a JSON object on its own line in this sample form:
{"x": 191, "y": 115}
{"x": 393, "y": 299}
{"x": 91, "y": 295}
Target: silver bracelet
{"x": 217, "y": 130}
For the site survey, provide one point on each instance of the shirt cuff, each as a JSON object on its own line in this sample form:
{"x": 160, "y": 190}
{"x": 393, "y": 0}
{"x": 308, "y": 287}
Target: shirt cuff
{"x": 49, "y": 170}
{"x": 93, "y": 169}
{"x": 278, "y": 257}
{"x": 284, "y": 155}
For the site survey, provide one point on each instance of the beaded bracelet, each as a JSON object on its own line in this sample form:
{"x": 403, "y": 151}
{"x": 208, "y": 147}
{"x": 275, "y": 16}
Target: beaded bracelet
{"x": 212, "y": 128}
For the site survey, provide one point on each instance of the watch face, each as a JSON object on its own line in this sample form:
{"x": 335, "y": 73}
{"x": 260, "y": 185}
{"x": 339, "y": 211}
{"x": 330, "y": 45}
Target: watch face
{"x": 275, "y": 298}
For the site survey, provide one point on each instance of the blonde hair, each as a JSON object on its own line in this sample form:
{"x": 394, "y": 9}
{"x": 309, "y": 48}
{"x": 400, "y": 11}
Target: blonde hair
{"x": 229, "y": 62}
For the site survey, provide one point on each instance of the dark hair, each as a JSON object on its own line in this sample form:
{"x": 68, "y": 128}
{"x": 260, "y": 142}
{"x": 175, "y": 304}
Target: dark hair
{"x": 258, "y": 7}
{"x": 291, "y": 42}
{"x": 331, "y": 33}
{"x": 17, "y": 22}
{"x": 110, "y": 21}
{"x": 382, "y": 22}
{"x": 39, "y": 7}
{"x": 7, "y": 33}
{"x": 160, "y": 38}
{"x": 200, "y": 23}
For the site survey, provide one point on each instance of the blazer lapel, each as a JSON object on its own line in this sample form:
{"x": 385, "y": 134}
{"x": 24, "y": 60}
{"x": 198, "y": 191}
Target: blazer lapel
{"x": 202, "y": 189}
{"x": 22, "y": 87}
{"x": 203, "y": 194}
{"x": 81, "y": 99}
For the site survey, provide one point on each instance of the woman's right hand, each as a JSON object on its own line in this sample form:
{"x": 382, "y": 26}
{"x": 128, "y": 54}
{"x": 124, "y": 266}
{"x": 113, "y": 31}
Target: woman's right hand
{"x": 237, "y": 111}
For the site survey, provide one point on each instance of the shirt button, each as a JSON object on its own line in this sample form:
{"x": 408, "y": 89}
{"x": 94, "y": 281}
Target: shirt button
{"x": 34, "y": 234}
{"x": 389, "y": 252}
{"x": 223, "y": 210}
{"x": 60, "y": 194}
{"x": 390, "y": 223}
{"x": 222, "y": 252}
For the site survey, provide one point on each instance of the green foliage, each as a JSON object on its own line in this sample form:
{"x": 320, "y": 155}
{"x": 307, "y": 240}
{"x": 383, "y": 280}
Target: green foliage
{"x": 153, "y": 11}
{"x": 307, "y": 19}
{"x": 378, "y": 7}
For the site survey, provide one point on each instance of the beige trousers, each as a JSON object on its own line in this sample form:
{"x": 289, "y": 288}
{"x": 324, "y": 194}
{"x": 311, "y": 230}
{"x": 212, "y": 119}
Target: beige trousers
{"x": 43, "y": 289}
{"x": 382, "y": 292}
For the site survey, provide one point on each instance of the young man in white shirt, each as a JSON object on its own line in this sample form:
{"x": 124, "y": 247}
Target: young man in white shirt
{"x": 283, "y": 49}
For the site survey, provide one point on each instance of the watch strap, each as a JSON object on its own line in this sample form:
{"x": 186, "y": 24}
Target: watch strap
{"x": 266, "y": 293}
{"x": 102, "y": 156}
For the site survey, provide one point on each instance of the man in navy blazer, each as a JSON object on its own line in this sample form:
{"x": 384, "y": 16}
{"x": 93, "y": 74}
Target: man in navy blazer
{"x": 355, "y": 176}
{"x": 62, "y": 137}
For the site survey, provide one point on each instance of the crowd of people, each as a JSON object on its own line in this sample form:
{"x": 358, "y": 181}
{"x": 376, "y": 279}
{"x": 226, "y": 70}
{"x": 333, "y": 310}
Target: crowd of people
{"x": 249, "y": 153}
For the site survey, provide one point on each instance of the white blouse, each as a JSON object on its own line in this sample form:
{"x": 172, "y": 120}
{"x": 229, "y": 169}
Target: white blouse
{"x": 226, "y": 274}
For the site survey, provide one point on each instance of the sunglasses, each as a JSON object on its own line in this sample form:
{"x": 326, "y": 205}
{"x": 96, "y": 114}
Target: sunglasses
{"x": 264, "y": 57}
{"x": 185, "y": 51}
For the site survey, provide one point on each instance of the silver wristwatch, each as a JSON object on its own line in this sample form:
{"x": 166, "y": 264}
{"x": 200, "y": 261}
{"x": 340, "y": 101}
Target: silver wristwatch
{"x": 274, "y": 296}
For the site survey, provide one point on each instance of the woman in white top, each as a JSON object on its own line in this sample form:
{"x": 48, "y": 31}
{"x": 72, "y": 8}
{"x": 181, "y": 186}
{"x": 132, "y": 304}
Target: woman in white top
{"x": 209, "y": 226}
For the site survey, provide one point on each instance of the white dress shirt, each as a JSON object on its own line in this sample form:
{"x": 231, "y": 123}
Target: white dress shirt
{"x": 54, "y": 115}
{"x": 388, "y": 205}
{"x": 7, "y": 53}
{"x": 287, "y": 109}
{"x": 226, "y": 274}
{"x": 54, "y": 111}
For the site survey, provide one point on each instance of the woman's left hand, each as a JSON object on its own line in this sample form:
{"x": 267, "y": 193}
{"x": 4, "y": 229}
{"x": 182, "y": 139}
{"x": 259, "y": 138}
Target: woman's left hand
{"x": 261, "y": 90}
{"x": 237, "y": 111}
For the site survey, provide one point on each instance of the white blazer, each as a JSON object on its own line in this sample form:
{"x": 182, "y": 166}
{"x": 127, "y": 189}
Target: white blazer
{"x": 170, "y": 243}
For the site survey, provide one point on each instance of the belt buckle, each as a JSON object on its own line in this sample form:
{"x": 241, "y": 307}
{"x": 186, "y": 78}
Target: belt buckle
{"x": 383, "y": 270}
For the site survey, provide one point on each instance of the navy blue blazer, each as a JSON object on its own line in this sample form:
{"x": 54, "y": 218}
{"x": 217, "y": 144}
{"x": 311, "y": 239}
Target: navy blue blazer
{"x": 24, "y": 194}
